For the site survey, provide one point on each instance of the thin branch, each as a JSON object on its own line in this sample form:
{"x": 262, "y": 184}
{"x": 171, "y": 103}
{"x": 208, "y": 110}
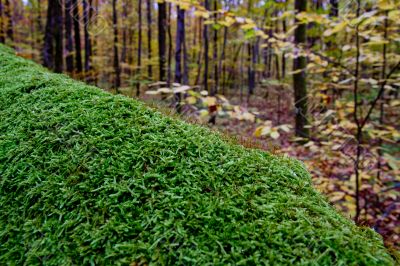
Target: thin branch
{"x": 381, "y": 90}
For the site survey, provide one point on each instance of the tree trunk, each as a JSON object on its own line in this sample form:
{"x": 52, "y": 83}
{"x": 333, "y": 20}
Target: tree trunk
{"x": 251, "y": 72}
{"x": 334, "y": 11}
{"x": 299, "y": 78}
{"x": 48, "y": 48}
{"x": 68, "y": 36}
{"x": 149, "y": 39}
{"x": 215, "y": 52}
{"x": 2, "y": 37}
{"x": 77, "y": 36}
{"x": 124, "y": 32}
{"x": 139, "y": 52}
{"x": 283, "y": 53}
{"x": 179, "y": 44}
{"x": 199, "y": 55}
{"x": 180, "y": 39}
{"x": 185, "y": 77}
{"x": 169, "y": 44}
{"x": 58, "y": 37}
{"x": 162, "y": 21}
{"x": 117, "y": 81}
{"x": 86, "y": 8}
{"x": 205, "y": 36}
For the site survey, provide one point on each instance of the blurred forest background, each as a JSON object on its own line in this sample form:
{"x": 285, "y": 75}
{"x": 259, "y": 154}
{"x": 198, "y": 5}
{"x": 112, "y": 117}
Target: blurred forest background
{"x": 318, "y": 80}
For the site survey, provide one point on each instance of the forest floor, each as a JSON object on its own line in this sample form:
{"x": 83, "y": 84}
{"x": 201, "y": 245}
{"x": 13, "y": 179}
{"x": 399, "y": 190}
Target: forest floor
{"x": 332, "y": 170}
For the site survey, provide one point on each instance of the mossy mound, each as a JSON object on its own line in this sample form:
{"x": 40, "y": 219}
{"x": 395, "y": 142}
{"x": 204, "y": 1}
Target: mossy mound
{"x": 91, "y": 178}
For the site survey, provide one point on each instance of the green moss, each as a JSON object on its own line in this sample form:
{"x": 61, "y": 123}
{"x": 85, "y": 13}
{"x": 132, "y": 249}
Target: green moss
{"x": 88, "y": 177}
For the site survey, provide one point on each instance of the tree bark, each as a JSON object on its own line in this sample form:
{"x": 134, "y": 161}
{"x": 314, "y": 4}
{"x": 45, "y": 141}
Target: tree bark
{"x": 124, "y": 32}
{"x": 180, "y": 34}
{"x": 162, "y": 21}
{"x": 205, "y": 36}
{"x": 215, "y": 52}
{"x": 68, "y": 36}
{"x": 117, "y": 81}
{"x": 149, "y": 39}
{"x": 48, "y": 48}
{"x": 77, "y": 36}
{"x": 334, "y": 10}
{"x": 179, "y": 44}
{"x": 251, "y": 72}
{"x": 283, "y": 53}
{"x": 88, "y": 44}
{"x": 299, "y": 78}
{"x": 169, "y": 44}
{"x": 139, "y": 52}
{"x": 58, "y": 37}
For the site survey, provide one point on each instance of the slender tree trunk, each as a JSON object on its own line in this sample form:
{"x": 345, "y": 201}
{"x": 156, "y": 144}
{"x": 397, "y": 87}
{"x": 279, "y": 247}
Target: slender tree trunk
{"x": 180, "y": 35}
{"x": 185, "y": 77}
{"x": 334, "y": 11}
{"x": 88, "y": 44}
{"x": 162, "y": 21}
{"x": 58, "y": 37}
{"x": 149, "y": 39}
{"x": 169, "y": 44}
{"x": 199, "y": 55}
{"x": 382, "y": 105}
{"x": 139, "y": 52}
{"x": 205, "y": 36}
{"x": 48, "y": 47}
{"x": 68, "y": 36}
{"x": 179, "y": 44}
{"x": 32, "y": 31}
{"x": 283, "y": 53}
{"x": 2, "y": 34}
{"x": 356, "y": 118}
{"x": 7, "y": 13}
{"x": 77, "y": 36}
{"x": 232, "y": 77}
{"x": 299, "y": 78}
{"x": 124, "y": 32}
{"x": 117, "y": 81}
{"x": 251, "y": 72}
{"x": 215, "y": 52}
{"x": 222, "y": 63}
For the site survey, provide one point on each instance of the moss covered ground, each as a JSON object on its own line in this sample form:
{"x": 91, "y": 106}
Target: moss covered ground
{"x": 87, "y": 177}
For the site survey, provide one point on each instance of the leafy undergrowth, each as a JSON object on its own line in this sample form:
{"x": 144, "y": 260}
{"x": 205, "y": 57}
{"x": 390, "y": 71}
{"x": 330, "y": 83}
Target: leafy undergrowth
{"x": 88, "y": 177}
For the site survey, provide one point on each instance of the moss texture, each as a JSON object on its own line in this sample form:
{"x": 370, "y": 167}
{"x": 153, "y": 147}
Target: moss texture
{"x": 87, "y": 177}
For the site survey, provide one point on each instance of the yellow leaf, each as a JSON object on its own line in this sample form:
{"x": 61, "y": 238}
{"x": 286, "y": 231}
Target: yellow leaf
{"x": 191, "y": 100}
{"x": 339, "y": 27}
{"x": 210, "y": 101}
{"x": 203, "y": 113}
{"x": 248, "y": 26}
{"x": 386, "y": 5}
{"x": 258, "y": 131}
{"x": 336, "y": 196}
{"x": 274, "y": 134}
